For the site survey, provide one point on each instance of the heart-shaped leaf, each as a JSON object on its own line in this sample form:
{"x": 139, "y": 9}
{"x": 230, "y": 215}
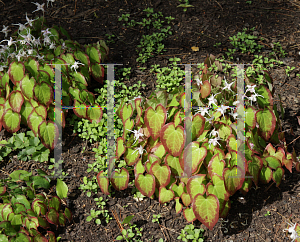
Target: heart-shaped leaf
{"x": 48, "y": 133}
{"x": 234, "y": 179}
{"x": 120, "y": 179}
{"x": 162, "y": 174}
{"x": 267, "y": 122}
{"x": 189, "y": 215}
{"x": 145, "y": 184}
{"x": 155, "y": 120}
{"x": 172, "y": 139}
{"x": 165, "y": 195}
{"x": 195, "y": 185}
{"x": 206, "y": 209}
{"x": 103, "y": 182}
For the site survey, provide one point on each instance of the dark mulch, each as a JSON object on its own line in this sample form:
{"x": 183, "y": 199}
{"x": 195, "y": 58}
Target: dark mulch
{"x": 209, "y": 22}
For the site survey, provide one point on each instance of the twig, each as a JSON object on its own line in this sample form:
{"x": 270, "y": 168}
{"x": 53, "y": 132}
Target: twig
{"x": 118, "y": 222}
{"x": 269, "y": 187}
{"x": 219, "y": 5}
{"x": 294, "y": 140}
{"x": 163, "y": 232}
{"x": 75, "y": 7}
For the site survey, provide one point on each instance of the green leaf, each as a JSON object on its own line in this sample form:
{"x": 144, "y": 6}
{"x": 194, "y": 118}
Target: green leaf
{"x": 61, "y": 189}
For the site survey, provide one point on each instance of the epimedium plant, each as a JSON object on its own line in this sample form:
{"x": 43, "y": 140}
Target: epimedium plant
{"x": 25, "y": 214}
{"x": 156, "y": 151}
{"x": 27, "y": 78}
{"x": 31, "y": 147}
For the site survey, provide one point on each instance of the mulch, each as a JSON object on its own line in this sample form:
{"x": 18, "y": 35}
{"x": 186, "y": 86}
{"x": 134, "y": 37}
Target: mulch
{"x": 261, "y": 215}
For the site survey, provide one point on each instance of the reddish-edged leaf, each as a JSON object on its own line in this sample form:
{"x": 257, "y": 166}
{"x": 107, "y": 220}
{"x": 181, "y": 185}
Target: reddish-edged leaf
{"x": 165, "y": 195}
{"x": 205, "y": 89}
{"x": 172, "y": 139}
{"x": 277, "y": 175}
{"x": 178, "y": 205}
{"x": 254, "y": 167}
{"x": 52, "y": 216}
{"x": 265, "y": 175}
{"x": 195, "y": 185}
{"x": 11, "y": 121}
{"x": 197, "y": 126}
{"x": 16, "y": 101}
{"x": 103, "y": 182}
{"x": 189, "y": 215}
{"x": 206, "y": 209}
{"x": 68, "y": 214}
{"x": 48, "y": 133}
{"x": 145, "y": 184}
{"x": 162, "y": 174}
{"x": 186, "y": 199}
{"x": 234, "y": 179}
{"x": 267, "y": 122}
{"x": 16, "y": 71}
{"x": 155, "y": 120}
{"x": 120, "y": 179}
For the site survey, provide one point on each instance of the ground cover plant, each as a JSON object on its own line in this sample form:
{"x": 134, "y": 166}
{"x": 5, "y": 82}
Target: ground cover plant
{"x": 169, "y": 79}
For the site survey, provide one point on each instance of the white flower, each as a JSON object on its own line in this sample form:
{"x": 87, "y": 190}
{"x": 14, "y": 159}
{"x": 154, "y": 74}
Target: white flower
{"x": 234, "y": 115}
{"x": 140, "y": 150}
{"x": 199, "y": 82}
{"x": 203, "y": 111}
{"x": 5, "y": 30}
{"x": 250, "y": 88}
{"x": 30, "y": 51}
{"x": 1, "y": 68}
{"x": 28, "y": 37}
{"x": 40, "y": 57}
{"x": 214, "y": 133}
{"x": 47, "y": 40}
{"x": 214, "y": 141}
{"x": 212, "y": 99}
{"x": 29, "y": 21}
{"x": 137, "y": 134}
{"x": 52, "y": 1}
{"x": 75, "y": 65}
{"x": 39, "y": 7}
{"x": 222, "y": 109}
{"x": 292, "y": 230}
{"x": 19, "y": 55}
{"x": 235, "y": 103}
{"x": 9, "y": 42}
{"x": 253, "y": 97}
{"x": 52, "y": 46}
{"x": 227, "y": 86}
{"x": 21, "y": 27}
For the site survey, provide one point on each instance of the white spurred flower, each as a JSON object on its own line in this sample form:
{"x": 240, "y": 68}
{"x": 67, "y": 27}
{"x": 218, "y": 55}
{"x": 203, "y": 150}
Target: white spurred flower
{"x": 234, "y": 115}
{"x": 19, "y": 55}
{"x": 203, "y": 111}
{"x": 227, "y": 85}
{"x": 253, "y": 97}
{"x": 52, "y": 45}
{"x": 47, "y": 40}
{"x": 199, "y": 82}
{"x": 235, "y": 103}
{"x": 214, "y": 133}
{"x": 137, "y": 134}
{"x": 21, "y": 27}
{"x": 1, "y": 67}
{"x": 214, "y": 141}
{"x": 39, "y": 7}
{"x": 46, "y": 32}
{"x": 30, "y": 51}
{"x": 52, "y": 1}
{"x": 140, "y": 150}
{"x": 75, "y": 65}
{"x": 212, "y": 100}
{"x": 250, "y": 88}
{"x": 29, "y": 21}
{"x": 292, "y": 230}
{"x": 40, "y": 57}
{"x": 9, "y": 42}
{"x": 222, "y": 109}
{"x": 5, "y": 30}
{"x": 27, "y": 38}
